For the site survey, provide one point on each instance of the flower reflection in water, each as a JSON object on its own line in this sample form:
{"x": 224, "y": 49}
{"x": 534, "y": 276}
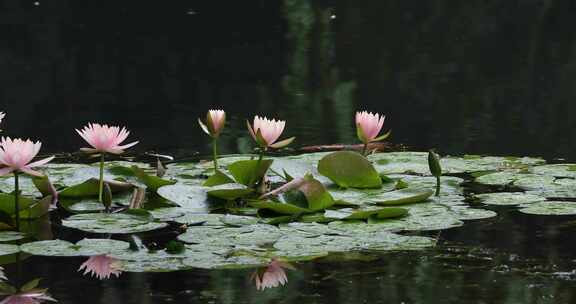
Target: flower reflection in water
{"x": 271, "y": 276}
{"x": 102, "y": 266}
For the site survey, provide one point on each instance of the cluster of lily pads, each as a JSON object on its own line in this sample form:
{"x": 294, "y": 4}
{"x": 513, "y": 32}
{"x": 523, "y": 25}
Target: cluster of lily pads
{"x": 256, "y": 210}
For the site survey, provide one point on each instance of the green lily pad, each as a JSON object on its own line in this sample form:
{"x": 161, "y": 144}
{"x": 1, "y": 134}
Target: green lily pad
{"x": 111, "y": 223}
{"x": 280, "y": 208}
{"x": 230, "y": 191}
{"x": 85, "y": 247}
{"x": 362, "y": 214}
{"x": 550, "y": 208}
{"x": 509, "y": 198}
{"x": 349, "y": 170}
{"x": 7, "y": 249}
{"x": 192, "y": 198}
{"x": 248, "y": 172}
{"x": 9, "y": 236}
{"x": 91, "y": 187}
{"x": 403, "y": 196}
{"x": 218, "y": 178}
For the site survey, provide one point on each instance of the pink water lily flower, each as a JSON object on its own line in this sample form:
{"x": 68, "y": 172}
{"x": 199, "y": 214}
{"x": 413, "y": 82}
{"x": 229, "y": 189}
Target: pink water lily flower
{"x": 105, "y": 139}
{"x": 102, "y": 266}
{"x": 16, "y": 154}
{"x": 33, "y": 296}
{"x": 368, "y": 125}
{"x": 272, "y": 276}
{"x": 267, "y": 131}
{"x": 215, "y": 120}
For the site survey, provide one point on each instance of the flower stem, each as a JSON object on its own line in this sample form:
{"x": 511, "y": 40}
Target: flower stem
{"x": 437, "y": 185}
{"x": 365, "y": 149}
{"x": 101, "y": 181}
{"x": 215, "y": 153}
{"x": 16, "y": 201}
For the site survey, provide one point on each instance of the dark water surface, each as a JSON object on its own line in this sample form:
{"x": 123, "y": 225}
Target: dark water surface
{"x": 465, "y": 77}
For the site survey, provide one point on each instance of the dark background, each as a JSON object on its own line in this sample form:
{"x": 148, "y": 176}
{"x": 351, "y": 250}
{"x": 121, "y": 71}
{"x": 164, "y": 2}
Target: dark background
{"x": 476, "y": 76}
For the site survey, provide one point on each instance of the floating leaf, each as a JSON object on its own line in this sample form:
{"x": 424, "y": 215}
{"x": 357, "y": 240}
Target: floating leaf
{"x": 6, "y": 249}
{"x": 349, "y": 170}
{"x": 550, "y": 208}
{"x": 229, "y": 191}
{"x": 280, "y": 208}
{"x": 248, "y": 172}
{"x": 403, "y": 196}
{"x": 509, "y": 198}
{"x": 111, "y": 223}
{"x": 218, "y": 178}
{"x": 91, "y": 188}
{"x": 192, "y": 198}
{"x": 353, "y": 214}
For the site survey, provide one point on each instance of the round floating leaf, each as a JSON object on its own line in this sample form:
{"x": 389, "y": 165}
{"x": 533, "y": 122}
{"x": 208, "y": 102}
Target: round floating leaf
{"x": 248, "y": 172}
{"x": 509, "y": 198}
{"x": 111, "y": 223}
{"x": 550, "y": 208}
{"x": 200, "y": 219}
{"x": 556, "y": 170}
{"x": 403, "y": 196}
{"x": 7, "y": 249}
{"x": 8, "y": 236}
{"x": 354, "y": 214}
{"x": 466, "y": 214}
{"x": 280, "y": 208}
{"x": 349, "y": 170}
{"x": 229, "y": 191}
{"x": 192, "y": 198}
{"x": 85, "y": 247}
{"x": 91, "y": 187}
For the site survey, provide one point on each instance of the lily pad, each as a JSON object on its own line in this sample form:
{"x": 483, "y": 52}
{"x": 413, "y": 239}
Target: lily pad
{"x": 550, "y": 208}
{"x": 509, "y": 198}
{"x": 192, "y": 198}
{"x": 349, "y": 170}
{"x": 248, "y": 172}
{"x": 9, "y": 236}
{"x": 111, "y": 223}
{"x": 280, "y": 208}
{"x": 85, "y": 247}
{"x": 403, "y": 196}
{"x": 7, "y": 249}
{"x": 229, "y": 191}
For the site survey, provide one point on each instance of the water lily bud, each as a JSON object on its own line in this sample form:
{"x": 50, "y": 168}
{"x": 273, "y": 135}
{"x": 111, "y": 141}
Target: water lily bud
{"x": 434, "y": 164}
{"x": 215, "y": 120}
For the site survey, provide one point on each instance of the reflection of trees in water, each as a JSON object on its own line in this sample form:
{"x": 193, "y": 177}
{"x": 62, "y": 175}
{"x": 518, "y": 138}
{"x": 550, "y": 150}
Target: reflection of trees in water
{"x": 459, "y": 74}
{"x": 476, "y": 76}
{"x": 314, "y": 93}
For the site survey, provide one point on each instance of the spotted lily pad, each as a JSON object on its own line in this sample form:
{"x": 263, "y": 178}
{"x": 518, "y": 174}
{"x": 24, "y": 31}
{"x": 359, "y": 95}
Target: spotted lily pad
{"x": 85, "y": 247}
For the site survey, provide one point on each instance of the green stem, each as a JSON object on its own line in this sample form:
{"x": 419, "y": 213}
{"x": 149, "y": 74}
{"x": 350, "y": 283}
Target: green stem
{"x": 365, "y": 149}
{"x": 215, "y": 153}
{"x": 16, "y": 201}
{"x": 437, "y": 185}
{"x": 101, "y": 181}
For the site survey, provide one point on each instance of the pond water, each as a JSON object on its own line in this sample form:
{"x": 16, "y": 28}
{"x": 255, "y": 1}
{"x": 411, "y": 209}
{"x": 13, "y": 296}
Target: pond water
{"x": 480, "y": 77}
